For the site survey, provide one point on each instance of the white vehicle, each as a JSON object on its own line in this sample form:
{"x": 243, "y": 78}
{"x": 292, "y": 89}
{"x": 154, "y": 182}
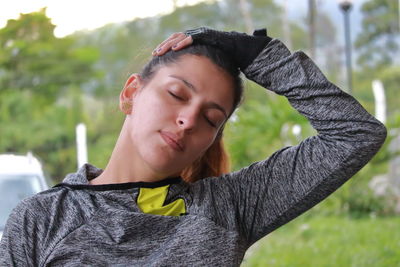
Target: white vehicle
{"x": 20, "y": 177}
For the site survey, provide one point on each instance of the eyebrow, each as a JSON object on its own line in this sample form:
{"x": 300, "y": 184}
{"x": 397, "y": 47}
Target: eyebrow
{"x": 193, "y": 88}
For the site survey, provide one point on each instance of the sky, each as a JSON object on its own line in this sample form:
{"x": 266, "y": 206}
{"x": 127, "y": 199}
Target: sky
{"x": 297, "y": 9}
{"x": 73, "y": 15}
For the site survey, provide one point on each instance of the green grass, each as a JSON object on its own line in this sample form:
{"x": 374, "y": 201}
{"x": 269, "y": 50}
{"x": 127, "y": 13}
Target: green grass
{"x": 330, "y": 241}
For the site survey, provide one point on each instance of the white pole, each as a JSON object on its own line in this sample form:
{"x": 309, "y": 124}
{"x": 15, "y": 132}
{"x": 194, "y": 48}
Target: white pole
{"x": 81, "y": 144}
{"x": 380, "y": 100}
{"x": 286, "y": 26}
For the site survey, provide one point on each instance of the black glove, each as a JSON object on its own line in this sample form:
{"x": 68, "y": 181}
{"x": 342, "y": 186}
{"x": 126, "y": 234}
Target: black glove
{"x": 243, "y": 48}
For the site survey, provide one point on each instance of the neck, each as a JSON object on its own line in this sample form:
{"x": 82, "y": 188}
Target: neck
{"x": 125, "y": 165}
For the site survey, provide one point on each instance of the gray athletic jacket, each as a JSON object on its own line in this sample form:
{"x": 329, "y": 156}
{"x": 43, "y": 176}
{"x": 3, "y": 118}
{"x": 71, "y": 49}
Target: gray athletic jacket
{"x": 78, "y": 224}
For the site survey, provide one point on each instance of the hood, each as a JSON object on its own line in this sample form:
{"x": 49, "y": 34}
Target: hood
{"x": 86, "y": 173}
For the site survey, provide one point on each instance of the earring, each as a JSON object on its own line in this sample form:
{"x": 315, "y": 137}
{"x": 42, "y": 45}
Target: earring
{"x": 126, "y": 107}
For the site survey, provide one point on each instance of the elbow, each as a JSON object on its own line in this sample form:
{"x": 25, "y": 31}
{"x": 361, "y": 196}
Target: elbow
{"x": 363, "y": 150}
{"x": 367, "y": 139}
{"x": 374, "y": 139}
{"x": 380, "y": 134}
{"x": 383, "y": 133}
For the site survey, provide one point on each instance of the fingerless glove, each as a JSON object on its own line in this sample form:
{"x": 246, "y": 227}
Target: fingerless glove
{"x": 243, "y": 48}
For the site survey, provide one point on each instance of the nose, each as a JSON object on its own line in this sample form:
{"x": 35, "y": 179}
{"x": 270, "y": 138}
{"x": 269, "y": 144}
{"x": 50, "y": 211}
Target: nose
{"x": 187, "y": 120}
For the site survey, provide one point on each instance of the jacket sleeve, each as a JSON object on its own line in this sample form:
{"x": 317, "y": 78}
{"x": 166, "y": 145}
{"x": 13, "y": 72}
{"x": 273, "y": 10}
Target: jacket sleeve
{"x": 257, "y": 199}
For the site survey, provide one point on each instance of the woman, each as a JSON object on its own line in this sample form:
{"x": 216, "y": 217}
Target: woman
{"x": 156, "y": 204}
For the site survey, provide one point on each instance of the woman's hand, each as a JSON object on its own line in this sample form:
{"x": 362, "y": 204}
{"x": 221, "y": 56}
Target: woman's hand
{"x": 176, "y": 41}
{"x": 242, "y": 48}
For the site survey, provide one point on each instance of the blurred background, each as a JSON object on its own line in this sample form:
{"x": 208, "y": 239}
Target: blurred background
{"x": 63, "y": 63}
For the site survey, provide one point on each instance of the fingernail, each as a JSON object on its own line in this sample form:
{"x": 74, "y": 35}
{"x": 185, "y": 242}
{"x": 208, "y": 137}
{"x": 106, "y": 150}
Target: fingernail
{"x": 175, "y": 46}
{"x": 159, "y": 49}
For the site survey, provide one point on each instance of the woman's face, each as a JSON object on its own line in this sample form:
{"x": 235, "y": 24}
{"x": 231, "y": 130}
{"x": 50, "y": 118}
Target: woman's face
{"x": 176, "y": 115}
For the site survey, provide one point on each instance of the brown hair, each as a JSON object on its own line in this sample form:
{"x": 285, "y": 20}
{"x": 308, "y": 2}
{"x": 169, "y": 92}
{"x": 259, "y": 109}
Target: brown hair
{"x": 215, "y": 161}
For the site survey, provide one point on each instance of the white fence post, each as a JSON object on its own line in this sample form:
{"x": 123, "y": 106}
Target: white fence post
{"x": 380, "y": 100}
{"x": 81, "y": 144}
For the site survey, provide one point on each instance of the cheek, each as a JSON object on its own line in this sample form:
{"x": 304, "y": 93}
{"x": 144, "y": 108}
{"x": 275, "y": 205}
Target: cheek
{"x": 203, "y": 142}
{"x": 150, "y": 109}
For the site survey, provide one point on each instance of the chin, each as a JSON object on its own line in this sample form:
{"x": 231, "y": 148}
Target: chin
{"x": 164, "y": 163}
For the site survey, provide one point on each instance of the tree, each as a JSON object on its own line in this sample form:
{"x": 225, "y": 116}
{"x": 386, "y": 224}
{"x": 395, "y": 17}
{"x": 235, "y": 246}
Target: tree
{"x": 379, "y": 52}
{"x": 40, "y": 96}
{"x": 32, "y": 58}
{"x": 378, "y": 43}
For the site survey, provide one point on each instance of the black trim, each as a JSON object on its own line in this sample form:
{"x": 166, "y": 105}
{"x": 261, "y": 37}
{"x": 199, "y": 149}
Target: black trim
{"x": 121, "y": 186}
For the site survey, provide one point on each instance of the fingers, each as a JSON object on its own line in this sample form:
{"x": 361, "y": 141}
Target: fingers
{"x": 185, "y": 42}
{"x": 172, "y": 37}
{"x": 175, "y": 42}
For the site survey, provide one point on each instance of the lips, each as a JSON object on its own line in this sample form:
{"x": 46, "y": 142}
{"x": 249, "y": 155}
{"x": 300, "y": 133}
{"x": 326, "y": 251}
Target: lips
{"x": 172, "y": 140}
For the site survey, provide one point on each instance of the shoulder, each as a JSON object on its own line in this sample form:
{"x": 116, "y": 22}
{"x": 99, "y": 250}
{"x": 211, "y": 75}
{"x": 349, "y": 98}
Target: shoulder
{"x": 42, "y": 209}
{"x": 35, "y": 207}
{"x": 31, "y": 228}
{"x": 41, "y": 199}
{"x": 38, "y": 222}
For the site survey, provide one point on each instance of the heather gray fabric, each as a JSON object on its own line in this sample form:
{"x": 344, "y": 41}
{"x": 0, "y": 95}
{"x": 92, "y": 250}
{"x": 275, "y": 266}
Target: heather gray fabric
{"x": 103, "y": 226}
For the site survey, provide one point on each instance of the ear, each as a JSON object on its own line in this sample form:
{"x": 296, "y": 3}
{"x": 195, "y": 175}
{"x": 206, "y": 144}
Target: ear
{"x": 127, "y": 94}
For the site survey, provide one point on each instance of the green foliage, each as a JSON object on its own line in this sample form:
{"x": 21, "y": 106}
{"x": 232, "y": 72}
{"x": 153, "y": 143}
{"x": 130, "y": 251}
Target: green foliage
{"x": 378, "y": 42}
{"x": 374, "y": 44}
{"x": 256, "y": 131}
{"x": 390, "y": 78}
{"x": 38, "y": 74}
{"x": 32, "y": 58}
{"x": 329, "y": 241}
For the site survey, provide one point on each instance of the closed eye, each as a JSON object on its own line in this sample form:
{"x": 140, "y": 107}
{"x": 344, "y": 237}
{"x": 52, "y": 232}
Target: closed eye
{"x": 175, "y": 96}
{"x": 210, "y": 122}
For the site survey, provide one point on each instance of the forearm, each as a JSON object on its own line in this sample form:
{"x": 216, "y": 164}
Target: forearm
{"x": 331, "y": 112}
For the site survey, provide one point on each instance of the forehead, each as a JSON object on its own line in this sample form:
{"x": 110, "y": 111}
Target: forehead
{"x": 209, "y": 80}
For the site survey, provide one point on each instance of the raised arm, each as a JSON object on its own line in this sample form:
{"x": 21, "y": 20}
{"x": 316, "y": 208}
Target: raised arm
{"x": 265, "y": 195}
{"x": 297, "y": 178}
